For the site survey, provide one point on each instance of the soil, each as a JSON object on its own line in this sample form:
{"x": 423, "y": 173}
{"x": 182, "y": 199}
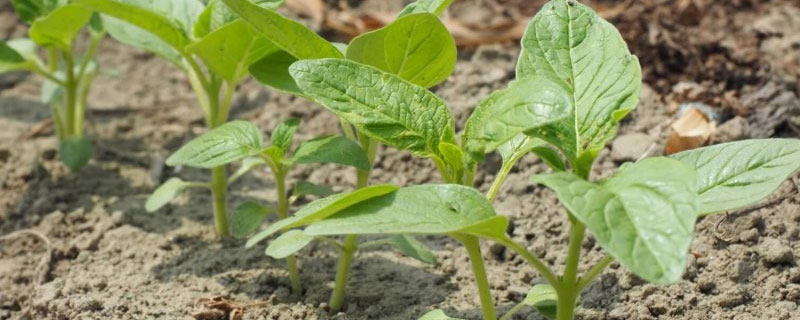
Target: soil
{"x": 109, "y": 259}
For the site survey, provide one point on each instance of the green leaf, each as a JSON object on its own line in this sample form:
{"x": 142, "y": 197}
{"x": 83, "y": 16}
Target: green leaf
{"x": 303, "y": 187}
{"x": 521, "y": 144}
{"x": 737, "y": 174}
{"x": 29, "y": 10}
{"x": 526, "y": 104}
{"x": 332, "y": 149}
{"x": 283, "y": 134}
{"x": 437, "y": 314}
{"x": 217, "y": 14}
{"x": 417, "y": 48}
{"x": 569, "y": 41}
{"x": 59, "y": 27}
{"x": 320, "y": 209}
{"x": 288, "y": 243}
{"x": 273, "y": 70}
{"x": 96, "y": 25}
{"x": 544, "y": 298}
{"x": 11, "y": 59}
{"x": 152, "y": 16}
{"x": 248, "y": 164}
{"x": 164, "y": 194}
{"x": 423, "y": 209}
{"x": 291, "y": 36}
{"x": 431, "y": 6}
{"x": 643, "y": 216}
{"x": 411, "y": 247}
{"x": 137, "y": 37}
{"x": 231, "y": 49}
{"x": 227, "y": 143}
{"x": 452, "y": 155}
{"x": 247, "y": 217}
{"x": 383, "y": 106}
{"x": 75, "y": 152}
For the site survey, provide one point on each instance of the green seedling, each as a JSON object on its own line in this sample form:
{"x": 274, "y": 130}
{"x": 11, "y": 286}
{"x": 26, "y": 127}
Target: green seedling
{"x": 55, "y": 26}
{"x": 415, "y": 47}
{"x": 205, "y": 41}
{"x": 576, "y": 81}
{"x": 240, "y": 141}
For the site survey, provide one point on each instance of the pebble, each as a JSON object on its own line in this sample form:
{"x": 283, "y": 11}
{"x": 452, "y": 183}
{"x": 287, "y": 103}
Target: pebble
{"x": 772, "y": 251}
{"x": 629, "y": 147}
{"x": 734, "y": 129}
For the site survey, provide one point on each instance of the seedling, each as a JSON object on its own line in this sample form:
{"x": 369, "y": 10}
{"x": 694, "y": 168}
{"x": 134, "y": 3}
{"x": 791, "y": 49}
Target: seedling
{"x": 576, "y": 81}
{"x": 205, "y": 41}
{"x": 240, "y": 141}
{"x": 68, "y": 72}
{"x": 415, "y": 47}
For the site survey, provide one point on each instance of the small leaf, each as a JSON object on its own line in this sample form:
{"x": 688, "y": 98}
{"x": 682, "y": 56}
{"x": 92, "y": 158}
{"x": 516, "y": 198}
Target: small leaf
{"x": 288, "y": 243}
{"x": 303, "y": 187}
{"x": 147, "y": 16}
{"x": 417, "y": 48}
{"x": 283, "y": 134}
{"x": 452, "y": 155}
{"x": 411, "y": 247}
{"x": 643, "y": 216}
{"x": 217, "y": 14}
{"x": 230, "y": 50}
{"x": 526, "y": 104}
{"x": 737, "y": 174}
{"x": 75, "y": 152}
{"x": 59, "y": 27}
{"x": 521, "y": 144}
{"x": 544, "y": 298}
{"x": 320, "y": 209}
{"x": 332, "y": 149}
{"x": 431, "y": 6}
{"x": 247, "y": 218}
{"x": 165, "y": 193}
{"x": 96, "y": 25}
{"x": 423, "y": 209}
{"x": 379, "y": 104}
{"x": 29, "y": 10}
{"x": 437, "y": 315}
{"x": 273, "y": 70}
{"x": 11, "y": 59}
{"x": 227, "y": 143}
{"x": 291, "y": 36}
{"x": 569, "y": 41}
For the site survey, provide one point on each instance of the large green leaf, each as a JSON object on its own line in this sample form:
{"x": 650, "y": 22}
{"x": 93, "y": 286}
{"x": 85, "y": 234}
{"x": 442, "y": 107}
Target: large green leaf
{"x": 291, "y": 36}
{"x": 321, "y": 209}
{"x": 29, "y": 10}
{"x": 332, "y": 149}
{"x": 431, "y": 6}
{"x": 525, "y": 105}
{"x": 569, "y": 41}
{"x": 231, "y": 49}
{"x": 423, "y": 209}
{"x": 643, "y": 216}
{"x": 736, "y": 174}
{"x": 227, "y": 143}
{"x": 146, "y": 15}
{"x": 273, "y": 70}
{"x": 417, "y": 48}
{"x": 165, "y": 193}
{"x": 247, "y": 217}
{"x": 59, "y": 27}
{"x": 385, "y": 107}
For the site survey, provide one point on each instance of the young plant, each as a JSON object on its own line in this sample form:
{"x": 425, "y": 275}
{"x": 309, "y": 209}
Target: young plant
{"x": 241, "y": 141}
{"x": 67, "y": 72}
{"x": 205, "y": 41}
{"x": 576, "y": 81}
{"x": 415, "y": 47}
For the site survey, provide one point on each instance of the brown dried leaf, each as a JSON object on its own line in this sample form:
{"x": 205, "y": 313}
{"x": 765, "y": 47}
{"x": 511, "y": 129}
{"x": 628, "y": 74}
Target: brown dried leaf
{"x": 691, "y": 131}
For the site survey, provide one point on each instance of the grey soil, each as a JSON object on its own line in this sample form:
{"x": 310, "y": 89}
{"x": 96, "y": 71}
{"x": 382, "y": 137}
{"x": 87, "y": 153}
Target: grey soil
{"x": 112, "y": 260}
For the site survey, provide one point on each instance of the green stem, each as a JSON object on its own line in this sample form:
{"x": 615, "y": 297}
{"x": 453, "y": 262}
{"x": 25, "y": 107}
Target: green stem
{"x": 498, "y": 181}
{"x": 342, "y": 269}
{"x": 219, "y": 186}
{"x": 472, "y": 244}
{"x": 71, "y": 94}
{"x": 517, "y": 308}
{"x": 568, "y": 295}
{"x": 595, "y": 271}
{"x": 534, "y": 262}
{"x": 283, "y": 212}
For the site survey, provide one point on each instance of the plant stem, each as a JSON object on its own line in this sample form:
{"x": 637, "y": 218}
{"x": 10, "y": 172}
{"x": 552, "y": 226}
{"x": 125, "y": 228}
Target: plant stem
{"x": 472, "y": 244}
{"x": 595, "y": 271}
{"x": 517, "y": 308}
{"x": 568, "y": 295}
{"x": 498, "y": 181}
{"x": 283, "y": 212}
{"x": 342, "y": 269}
{"x": 219, "y": 186}
{"x": 534, "y": 262}
{"x": 71, "y": 89}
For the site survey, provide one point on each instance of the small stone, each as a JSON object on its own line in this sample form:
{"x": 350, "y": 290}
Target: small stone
{"x": 750, "y": 235}
{"x": 630, "y": 147}
{"x": 774, "y": 252}
{"x": 658, "y": 304}
{"x": 734, "y": 129}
